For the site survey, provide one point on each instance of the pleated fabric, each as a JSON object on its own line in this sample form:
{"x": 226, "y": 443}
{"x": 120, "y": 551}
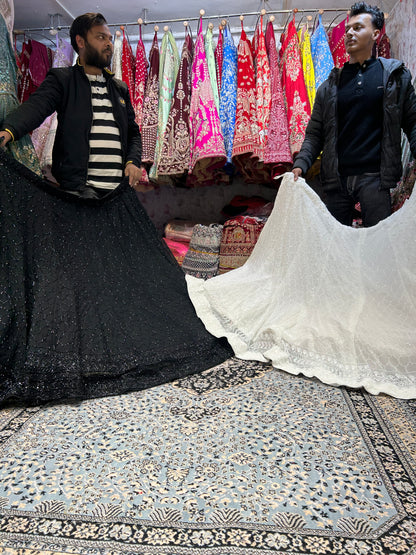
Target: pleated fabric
{"x": 337, "y": 44}
{"x": 168, "y": 71}
{"x": 140, "y": 78}
{"x": 228, "y": 96}
{"x": 322, "y": 58}
{"x": 151, "y": 105}
{"x": 294, "y": 88}
{"x": 207, "y": 152}
{"x": 175, "y": 148}
{"x": 277, "y": 149}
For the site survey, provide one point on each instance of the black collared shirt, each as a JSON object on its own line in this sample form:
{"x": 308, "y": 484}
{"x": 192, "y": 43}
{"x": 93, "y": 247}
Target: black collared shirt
{"x": 360, "y": 117}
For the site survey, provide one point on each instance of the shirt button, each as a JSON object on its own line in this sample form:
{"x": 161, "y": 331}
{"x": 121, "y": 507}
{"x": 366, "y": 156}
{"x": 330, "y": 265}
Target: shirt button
{"x": 364, "y": 65}
{"x": 359, "y": 82}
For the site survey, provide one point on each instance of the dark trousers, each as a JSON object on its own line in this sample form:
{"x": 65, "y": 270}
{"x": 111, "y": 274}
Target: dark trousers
{"x": 365, "y": 189}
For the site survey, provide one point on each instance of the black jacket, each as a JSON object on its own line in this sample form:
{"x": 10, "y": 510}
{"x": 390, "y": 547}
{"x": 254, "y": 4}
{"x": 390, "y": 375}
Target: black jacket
{"x": 399, "y": 110}
{"x": 68, "y": 92}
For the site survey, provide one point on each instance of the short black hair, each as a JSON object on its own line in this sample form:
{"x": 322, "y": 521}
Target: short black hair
{"x": 377, "y": 16}
{"x": 82, "y": 24}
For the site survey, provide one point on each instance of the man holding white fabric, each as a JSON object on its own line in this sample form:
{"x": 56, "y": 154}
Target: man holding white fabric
{"x": 356, "y": 123}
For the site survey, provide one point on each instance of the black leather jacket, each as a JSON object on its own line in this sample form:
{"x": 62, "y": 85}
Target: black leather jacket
{"x": 68, "y": 92}
{"x": 399, "y": 106}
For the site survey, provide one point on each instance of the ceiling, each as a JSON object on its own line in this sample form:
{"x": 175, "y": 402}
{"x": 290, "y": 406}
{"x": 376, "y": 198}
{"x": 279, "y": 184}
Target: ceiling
{"x": 30, "y": 14}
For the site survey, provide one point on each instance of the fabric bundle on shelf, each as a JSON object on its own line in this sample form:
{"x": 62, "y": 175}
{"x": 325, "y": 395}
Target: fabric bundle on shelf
{"x": 239, "y": 236}
{"x": 202, "y": 258}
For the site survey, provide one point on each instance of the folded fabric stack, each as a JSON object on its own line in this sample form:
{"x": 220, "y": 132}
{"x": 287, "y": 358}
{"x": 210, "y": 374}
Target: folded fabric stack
{"x": 202, "y": 258}
{"x": 178, "y": 234}
{"x": 239, "y": 236}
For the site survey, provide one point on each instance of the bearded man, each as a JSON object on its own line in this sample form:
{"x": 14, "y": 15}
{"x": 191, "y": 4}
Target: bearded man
{"x": 97, "y": 139}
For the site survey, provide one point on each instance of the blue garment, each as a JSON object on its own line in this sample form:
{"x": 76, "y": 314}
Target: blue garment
{"x": 228, "y": 95}
{"x": 322, "y": 58}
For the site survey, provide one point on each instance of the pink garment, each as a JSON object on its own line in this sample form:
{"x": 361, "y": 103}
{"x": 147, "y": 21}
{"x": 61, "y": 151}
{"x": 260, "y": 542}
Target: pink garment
{"x": 43, "y": 137}
{"x": 277, "y": 149}
{"x": 140, "y": 78}
{"x": 178, "y": 249}
{"x": 337, "y": 44}
{"x": 207, "y": 151}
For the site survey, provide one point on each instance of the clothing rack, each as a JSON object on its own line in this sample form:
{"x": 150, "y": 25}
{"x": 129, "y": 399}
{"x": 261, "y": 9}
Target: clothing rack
{"x": 226, "y": 17}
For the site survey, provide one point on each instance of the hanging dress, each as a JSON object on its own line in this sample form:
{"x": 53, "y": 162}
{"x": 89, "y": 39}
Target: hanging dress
{"x": 263, "y": 92}
{"x": 294, "y": 88}
{"x": 22, "y": 149}
{"x": 117, "y": 62}
{"x": 382, "y": 45}
{"x": 207, "y": 152}
{"x": 7, "y": 11}
{"x": 246, "y": 129}
{"x": 322, "y": 58}
{"x": 307, "y": 64}
{"x": 209, "y": 52}
{"x": 151, "y": 105}
{"x": 219, "y": 57}
{"x": 322, "y": 299}
{"x": 92, "y": 303}
{"x": 337, "y": 44}
{"x": 175, "y": 149}
{"x": 277, "y": 150}
{"x": 127, "y": 65}
{"x": 228, "y": 96}
{"x": 168, "y": 71}
{"x": 43, "y": 137}
{"x": 140, "y": 77}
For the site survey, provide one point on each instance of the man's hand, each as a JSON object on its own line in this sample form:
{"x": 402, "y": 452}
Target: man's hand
{"x": 297, "y": 172}
{"x": 5, "y": 137}
{"x": 135, "y": 175}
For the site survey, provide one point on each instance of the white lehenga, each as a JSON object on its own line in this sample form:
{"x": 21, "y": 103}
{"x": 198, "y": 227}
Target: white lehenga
{"x": 323, "y": 299}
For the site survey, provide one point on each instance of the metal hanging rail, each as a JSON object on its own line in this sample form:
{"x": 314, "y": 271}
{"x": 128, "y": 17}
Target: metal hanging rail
{"x": 196, "y": 18}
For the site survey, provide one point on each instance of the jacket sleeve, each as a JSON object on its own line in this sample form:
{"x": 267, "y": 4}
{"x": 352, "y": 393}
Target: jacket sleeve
{"x": 408, "y": 122}
{"x": 314, "y": 135}
{"x": 40, "y": 104}
{"x": 134, "y": 139}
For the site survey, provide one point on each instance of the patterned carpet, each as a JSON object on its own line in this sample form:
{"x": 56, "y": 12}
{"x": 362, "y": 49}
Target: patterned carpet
{"x": 240, "y": 460}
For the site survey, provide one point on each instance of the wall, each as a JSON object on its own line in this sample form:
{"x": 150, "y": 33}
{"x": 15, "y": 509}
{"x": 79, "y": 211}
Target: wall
{"x": 401, "y": 29}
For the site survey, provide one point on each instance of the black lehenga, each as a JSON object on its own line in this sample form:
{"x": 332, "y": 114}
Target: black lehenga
{"x": 92, "y": 303}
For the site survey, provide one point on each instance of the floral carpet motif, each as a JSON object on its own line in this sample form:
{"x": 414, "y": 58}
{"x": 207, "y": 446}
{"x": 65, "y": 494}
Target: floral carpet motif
{"x": 242, "y": 459}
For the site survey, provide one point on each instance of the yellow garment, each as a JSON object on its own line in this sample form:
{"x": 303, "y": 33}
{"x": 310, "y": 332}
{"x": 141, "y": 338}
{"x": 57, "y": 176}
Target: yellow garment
{"x": 307, "y": 63}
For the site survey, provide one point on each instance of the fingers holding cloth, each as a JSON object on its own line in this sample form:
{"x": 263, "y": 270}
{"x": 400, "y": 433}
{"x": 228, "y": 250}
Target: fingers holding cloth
{"x": 136, "y": 175}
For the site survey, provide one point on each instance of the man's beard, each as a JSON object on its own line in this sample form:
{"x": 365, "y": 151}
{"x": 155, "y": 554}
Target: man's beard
{"x": 96, "y": 59}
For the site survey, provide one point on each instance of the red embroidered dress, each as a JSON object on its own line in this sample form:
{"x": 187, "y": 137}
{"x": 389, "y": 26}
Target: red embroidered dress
{"x": 246, "y": 129}
{"x": 140, "y": 78}
{"x": 127, "y": 65}
{"x": 337, "y": 44}
{"x": 263, "y": 92}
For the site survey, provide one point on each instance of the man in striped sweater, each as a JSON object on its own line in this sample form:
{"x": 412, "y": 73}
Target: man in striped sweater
{"x": 97, "y": 140}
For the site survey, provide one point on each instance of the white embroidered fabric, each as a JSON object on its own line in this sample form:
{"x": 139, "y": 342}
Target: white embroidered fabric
{"x": 322, "y": 299}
